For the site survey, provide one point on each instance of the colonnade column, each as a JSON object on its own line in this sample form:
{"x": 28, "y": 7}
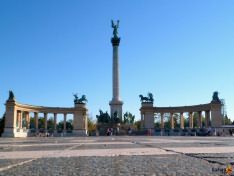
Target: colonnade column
{"x": 27, "y": 120}
{"x": 45, "y": 125}
{"x": 190, "y": 119}
{"x": 172, "y": 121}
{"x": 207, "y": 119}
{"x": 36, "y": 120}
{"x": 55, "y": 121}
{"x": 64, "y": 122}
{"x": 162, "y": 122}
{"x": 182, "y": 120}
{"x": 20, "y": 119}
{"x": 199, "y": 119}
{"x": 17, "y": 119}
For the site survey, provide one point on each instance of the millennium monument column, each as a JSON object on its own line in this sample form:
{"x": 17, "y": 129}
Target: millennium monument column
{"x": 115, "y": 104}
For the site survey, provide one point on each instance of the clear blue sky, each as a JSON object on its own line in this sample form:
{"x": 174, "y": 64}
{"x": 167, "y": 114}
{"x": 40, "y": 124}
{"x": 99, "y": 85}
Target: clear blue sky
{"x": 179, "y": 50}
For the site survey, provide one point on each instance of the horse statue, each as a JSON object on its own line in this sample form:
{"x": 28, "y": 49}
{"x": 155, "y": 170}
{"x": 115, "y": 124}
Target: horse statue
{"x": 81, "y": 100}
{"x": 143, "y": 99}
{"x": 148, "y": 99}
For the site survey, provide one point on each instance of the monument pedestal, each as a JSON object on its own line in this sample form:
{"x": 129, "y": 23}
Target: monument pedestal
{"x": 80, "y": 123}
{"x": 81, "y": 132}
{"x": 13, "y": 132}
{"x": 116, "y": 106}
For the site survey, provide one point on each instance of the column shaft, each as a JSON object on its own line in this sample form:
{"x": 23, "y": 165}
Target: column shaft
{"x": 20, "y": 119}
{"x": 64, "y": 122}
{"x": 55, "y": 121}
{"x": 182, "y": 120}
{"x": 27, "y": 120}
{"x": 45, "y": 125}
{"x": 162, "y": 122}
{"x": 172, "y": 121}
{"x": 115, "y": 73}
{"x": 199, "y": 119}
{"x": 191, "y": 120}
{"x": 36, "y": 120}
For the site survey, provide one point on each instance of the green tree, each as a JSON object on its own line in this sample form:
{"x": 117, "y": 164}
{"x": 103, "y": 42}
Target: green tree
{"x": 69, "y": 126}
{"x": 137, "y": 124}
{"x": 176, "y": 118}
{"x": 167, "y": 123}
{"x": 41, "y": 122}
{"x": 91, "y": 125}
{"x": 227, "y": 121}
{"x": 32, "y": 123}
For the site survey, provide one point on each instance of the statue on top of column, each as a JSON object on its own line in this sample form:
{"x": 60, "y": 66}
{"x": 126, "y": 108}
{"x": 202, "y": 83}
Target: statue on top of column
{"x": 115, "y": 28}
{"x": 11, "y": 95}
{"x": 215, "y": 98}
{"x": 148, "y": 99}
{"x": 81, "y": 100}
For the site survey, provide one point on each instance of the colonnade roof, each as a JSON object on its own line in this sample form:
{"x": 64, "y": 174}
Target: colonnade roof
{"x": 44, "y": 109}
{"x": 178, "y": 109}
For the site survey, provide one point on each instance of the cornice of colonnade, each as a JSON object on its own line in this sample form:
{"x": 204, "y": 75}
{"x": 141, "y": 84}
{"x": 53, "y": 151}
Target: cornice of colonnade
{"x": 43, "y": 109}
{"x": 177, "y": 109}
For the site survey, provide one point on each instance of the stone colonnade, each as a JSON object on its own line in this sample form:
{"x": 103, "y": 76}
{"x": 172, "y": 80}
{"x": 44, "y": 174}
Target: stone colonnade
{"x": 212, "y": 111}
{"x": 21, "y": 113}
{"x": 17, "y": 113}
{"x": 191, "y": 120}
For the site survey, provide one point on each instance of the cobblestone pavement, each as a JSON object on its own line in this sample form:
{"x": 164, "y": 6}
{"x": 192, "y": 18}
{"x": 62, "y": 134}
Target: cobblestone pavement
{"x": 116, "y": 155}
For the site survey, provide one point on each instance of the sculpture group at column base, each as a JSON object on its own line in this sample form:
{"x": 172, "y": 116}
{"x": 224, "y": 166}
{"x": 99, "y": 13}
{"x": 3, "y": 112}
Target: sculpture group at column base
{"x": 82, "y": 132}
{"x": 13, "y": 132}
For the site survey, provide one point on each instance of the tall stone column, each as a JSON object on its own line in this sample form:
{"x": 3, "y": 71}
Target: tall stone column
{"x": 45, "y": 125}
{"x": 200, "y": 119}
{"x": 182, "y": 120}
{"x": 172, "y": 121}
{"x": 115, "y": 104}
{"x": 27, "y": 117}
{"x": 36, "y": 120}
{"x": 190, "y": 119}
{"x": 64, "y": 122}
{"x": 55, "y": 121}
{"x": 20, "y": 119}
{"x": 162, "y": 122}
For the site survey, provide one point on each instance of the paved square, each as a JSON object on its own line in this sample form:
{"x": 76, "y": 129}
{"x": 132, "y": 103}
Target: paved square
{"x": 116, "y": 155}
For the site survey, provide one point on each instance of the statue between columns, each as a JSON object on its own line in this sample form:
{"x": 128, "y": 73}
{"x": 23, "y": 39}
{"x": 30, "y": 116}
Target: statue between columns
{"x": 115, "y": 28}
